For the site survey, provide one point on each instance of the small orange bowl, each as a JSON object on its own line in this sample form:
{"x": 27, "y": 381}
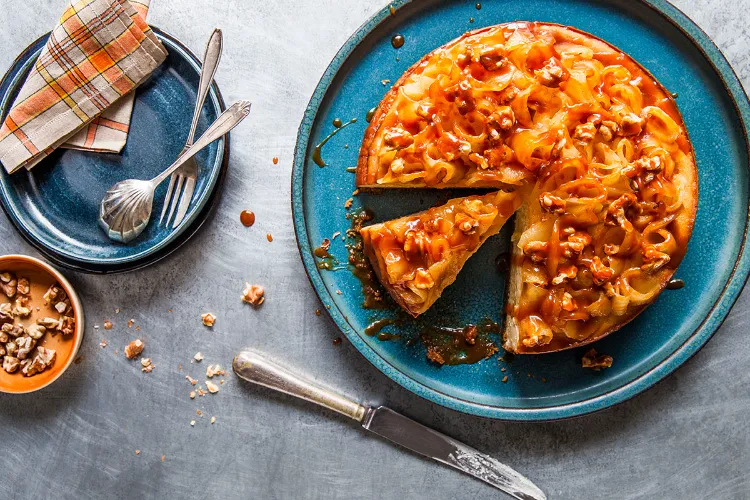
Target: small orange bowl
{"x": 42, "y": 275}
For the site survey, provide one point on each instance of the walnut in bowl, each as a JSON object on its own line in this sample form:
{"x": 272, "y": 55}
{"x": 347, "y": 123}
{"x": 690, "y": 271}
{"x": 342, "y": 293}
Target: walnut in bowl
{"x": 41, "y": 324}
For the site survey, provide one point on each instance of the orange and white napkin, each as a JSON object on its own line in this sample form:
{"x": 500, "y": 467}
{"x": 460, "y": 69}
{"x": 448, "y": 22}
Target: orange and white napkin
{"x": 79, "y": 94}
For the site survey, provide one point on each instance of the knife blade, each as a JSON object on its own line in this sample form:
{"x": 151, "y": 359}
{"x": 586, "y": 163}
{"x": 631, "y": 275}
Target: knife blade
{"x": 427, "y": 442}
{"x": 254, "y": 367}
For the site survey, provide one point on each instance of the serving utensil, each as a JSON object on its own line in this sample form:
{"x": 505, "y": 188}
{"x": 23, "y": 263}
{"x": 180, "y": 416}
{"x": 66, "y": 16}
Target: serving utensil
{"x": 126, "y": 207}
{"x": 253, "y": 367}
{"x": 182, "y": 180}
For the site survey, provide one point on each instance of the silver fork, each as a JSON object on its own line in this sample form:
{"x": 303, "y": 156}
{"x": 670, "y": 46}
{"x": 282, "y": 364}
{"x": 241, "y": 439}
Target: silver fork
{"x": 182, "y": 181}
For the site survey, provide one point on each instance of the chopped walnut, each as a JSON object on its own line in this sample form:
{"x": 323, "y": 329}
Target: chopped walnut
{"x": 67, "y": 325}
{"x": 253, "y": 294}
{"x": 501, "y": 120}
{"x": 208, "y": 319}
{"x": 146, "y": 365}
{"x": 435, "y": 356}
{"x": 192, "y": 394}
{"x": 535, "y": 332}
{"x": 551, "y": 74}
{"x": 600, "y": 271}
{"x": 631, "y": 124}
{"x": 198, "y": 357}
{"x": 596, "y": 361}
{"x": 654, "y": 259}
{"x": 107, "y": 325}
{"x": 191, "y": 380}
{"x": 565, "y": 273}
{"x": 49, "y": 323}
{"x": 213, "y": 420}
{"x": 212, "y": 388}
{"x": 21, "y": 309}
{"x": 616, "y": 212}
{"x": 11, "y": 364}
{"x": 536, "y": 250}
{"x": 576, "y": 243}
{"x": 465, "y": 223}
{"x": 13, "y": 330}
{"x": 492, "y": 62}
{"x": 552, "y": 203}
{"x": 398, "y": 138}
{"x": 25, "y": 346}
{"x": 54, "y": 294}
{"x": 213, "y": 370}
{"x": 36, "y": 331}
{"x": 568, "y": 304}
{"x": 611, "y": 249}
{"x": 9, "y": 284}
{"x": 464, "y": 97}
{"x": 11, "y": 348}
{"x": 134, "y": 349}
{"x": 423, "y": 280}
{"x": 23, "y": 287}
{"x": 585, "y": 132}
{"x": 6, "y": 313}
{"x": 44, "y": 359}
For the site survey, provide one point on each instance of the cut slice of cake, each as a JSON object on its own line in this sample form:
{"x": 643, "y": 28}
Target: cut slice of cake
{"x": 416, "y": 257}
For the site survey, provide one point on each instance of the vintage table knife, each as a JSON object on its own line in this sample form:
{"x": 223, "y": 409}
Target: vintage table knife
{"x": 253, "y": 367}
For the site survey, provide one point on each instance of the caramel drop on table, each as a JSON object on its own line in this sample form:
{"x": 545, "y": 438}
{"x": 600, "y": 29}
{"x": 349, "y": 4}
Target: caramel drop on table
{"x": 275, "y": 160}
{"x": 247, "y": 218}
{"x": 269, "y": 237}
{"x": 397, "y": 41}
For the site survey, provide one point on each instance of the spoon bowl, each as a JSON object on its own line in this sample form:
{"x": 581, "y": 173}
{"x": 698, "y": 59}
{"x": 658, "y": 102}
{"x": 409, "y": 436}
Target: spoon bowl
{"x": 126, "y": 207}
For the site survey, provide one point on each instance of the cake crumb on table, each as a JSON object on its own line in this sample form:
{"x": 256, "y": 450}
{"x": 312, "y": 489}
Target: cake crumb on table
{"x": 208, "y": 319}
{"x": 253, "y": 294}
{"x": 134, "y": 349}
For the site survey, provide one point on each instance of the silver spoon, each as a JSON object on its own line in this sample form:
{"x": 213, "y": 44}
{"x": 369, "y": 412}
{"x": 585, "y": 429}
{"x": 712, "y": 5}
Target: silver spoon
{"x": 126, "y": 207}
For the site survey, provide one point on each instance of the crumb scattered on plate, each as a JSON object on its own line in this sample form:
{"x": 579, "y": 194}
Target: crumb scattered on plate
{"x": 596, "y": 361}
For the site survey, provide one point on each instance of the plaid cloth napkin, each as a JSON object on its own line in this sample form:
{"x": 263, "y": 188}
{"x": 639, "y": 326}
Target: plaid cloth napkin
{"x": 99, "y": 52}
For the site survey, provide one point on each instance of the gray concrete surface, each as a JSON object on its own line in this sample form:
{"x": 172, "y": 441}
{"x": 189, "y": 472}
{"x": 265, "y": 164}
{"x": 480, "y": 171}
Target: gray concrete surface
{"x": 687, "y": 438}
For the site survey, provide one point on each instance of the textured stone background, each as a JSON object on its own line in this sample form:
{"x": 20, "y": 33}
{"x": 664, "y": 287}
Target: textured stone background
{"x": 687, "y": 438}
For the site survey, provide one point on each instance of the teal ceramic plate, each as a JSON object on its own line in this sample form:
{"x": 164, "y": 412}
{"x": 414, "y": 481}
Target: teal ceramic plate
{"x": 55, "y": 206}
{"x": 550, "y": 386}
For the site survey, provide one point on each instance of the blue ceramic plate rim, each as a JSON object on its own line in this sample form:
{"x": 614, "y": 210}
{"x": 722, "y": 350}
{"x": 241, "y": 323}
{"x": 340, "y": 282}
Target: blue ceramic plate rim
{"x": 197, "y": 214}
{"x": 693, "y": 344}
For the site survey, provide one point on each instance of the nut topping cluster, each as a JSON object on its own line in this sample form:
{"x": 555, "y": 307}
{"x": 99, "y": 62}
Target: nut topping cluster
{"x": 20, "y": 349}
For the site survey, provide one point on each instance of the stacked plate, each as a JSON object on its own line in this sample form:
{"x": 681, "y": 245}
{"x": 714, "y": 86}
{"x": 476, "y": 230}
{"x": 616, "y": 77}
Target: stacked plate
{"x": 55, "y": 206}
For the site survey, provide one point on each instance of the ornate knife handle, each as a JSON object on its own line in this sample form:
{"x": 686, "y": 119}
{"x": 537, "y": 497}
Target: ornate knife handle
{"x": 253, "y": 367}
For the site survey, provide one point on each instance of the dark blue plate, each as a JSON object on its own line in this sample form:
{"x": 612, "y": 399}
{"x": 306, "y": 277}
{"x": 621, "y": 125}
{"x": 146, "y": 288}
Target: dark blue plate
{"x": 549, "y": 386}
{"x": 55, "y": 206}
